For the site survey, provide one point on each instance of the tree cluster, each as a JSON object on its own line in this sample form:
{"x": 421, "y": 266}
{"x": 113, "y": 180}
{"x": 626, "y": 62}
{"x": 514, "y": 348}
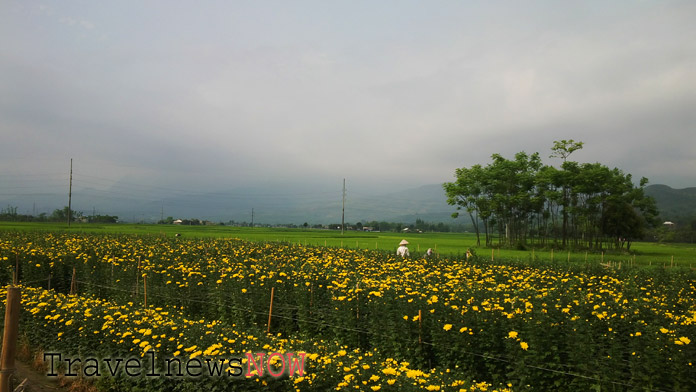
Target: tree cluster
{"x": 58, "y": 215}
{"x": 521, "y": 201}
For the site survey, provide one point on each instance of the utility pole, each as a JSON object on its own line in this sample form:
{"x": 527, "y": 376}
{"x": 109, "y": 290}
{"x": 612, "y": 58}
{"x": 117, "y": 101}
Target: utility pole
{"x": 343, "y": 211}
{"x": 70, "y": 196}
{"x": 252, "y": 217}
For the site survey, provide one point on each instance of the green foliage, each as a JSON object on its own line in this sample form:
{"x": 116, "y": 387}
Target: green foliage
{"x": 580, "y": 205}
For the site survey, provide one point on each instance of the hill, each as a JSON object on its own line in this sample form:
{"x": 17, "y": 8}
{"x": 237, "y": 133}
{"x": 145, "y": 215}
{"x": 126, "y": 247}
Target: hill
{"x": 674, "y": 204}
{"x": 315, "y": 206}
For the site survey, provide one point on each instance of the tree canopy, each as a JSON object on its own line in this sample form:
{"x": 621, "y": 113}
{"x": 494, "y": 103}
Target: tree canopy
{"x": 524, "y": 201}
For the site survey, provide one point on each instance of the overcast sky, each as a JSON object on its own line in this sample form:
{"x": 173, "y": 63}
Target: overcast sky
{"x": 387, "y": 94}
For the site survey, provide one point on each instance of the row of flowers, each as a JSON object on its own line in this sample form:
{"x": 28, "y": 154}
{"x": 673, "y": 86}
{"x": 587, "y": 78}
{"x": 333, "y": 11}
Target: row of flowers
{"x": 67, "y": 327}
{"x": 579, "y": 326}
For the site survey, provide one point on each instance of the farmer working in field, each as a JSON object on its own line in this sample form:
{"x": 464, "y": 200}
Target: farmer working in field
{"x": 402, "y": 250}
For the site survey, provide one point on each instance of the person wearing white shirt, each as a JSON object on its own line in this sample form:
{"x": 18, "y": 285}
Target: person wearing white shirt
{"x": 402, "y": 250}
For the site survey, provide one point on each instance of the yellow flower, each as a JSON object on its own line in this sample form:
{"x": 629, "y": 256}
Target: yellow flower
{"x": 524, "y": 345}
{"x": 447, "y": 327}
{"x": 512, "y": 335}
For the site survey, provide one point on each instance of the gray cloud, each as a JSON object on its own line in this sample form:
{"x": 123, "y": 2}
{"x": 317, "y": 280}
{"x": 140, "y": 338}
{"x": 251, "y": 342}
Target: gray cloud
{"x": 230, "y": 94}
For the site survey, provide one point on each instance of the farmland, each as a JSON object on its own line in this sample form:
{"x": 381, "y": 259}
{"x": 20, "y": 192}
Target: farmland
{"x": 365, "y": 319}
{"x": 446, "y": 244}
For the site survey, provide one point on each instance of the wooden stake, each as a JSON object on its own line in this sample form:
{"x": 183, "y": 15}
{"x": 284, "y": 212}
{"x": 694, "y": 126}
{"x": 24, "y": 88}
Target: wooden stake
{"x": 137, "y": 279}
{"x": 145, "y": 288}
{"x": 311, "y": 297}
{"x": 552, "y": 255}
{"x": 569, "y": 256}
{"x": 270, "y": 311}
{"x": 73, "y": 283}
{"x": 16, "y": 274}
{"x": 492, "y": 254}
{"x": 9, "y": 340}
{"x": 420, "y": 326}
{"x": 671, "y": 263}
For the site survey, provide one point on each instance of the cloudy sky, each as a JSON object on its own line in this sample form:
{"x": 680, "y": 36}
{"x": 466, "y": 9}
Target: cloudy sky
{"x": 387, "y": 94}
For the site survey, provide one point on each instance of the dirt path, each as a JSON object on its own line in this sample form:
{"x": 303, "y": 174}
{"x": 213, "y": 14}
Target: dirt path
{"x": 36, "y": 382}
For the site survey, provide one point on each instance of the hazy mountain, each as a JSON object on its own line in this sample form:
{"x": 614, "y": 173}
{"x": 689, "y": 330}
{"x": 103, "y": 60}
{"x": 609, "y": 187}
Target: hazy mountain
{"x": 287, "y": 205}
{"x": 269, "y": 204}
{"x": 673, "y": 203}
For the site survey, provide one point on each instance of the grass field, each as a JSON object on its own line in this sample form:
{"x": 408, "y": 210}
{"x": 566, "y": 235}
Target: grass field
{"x": 445, "y": 244}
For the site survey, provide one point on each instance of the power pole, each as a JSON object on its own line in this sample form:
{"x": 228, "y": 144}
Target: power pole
{"x": 70, "y": 196}
{"x": 343, "y": 211}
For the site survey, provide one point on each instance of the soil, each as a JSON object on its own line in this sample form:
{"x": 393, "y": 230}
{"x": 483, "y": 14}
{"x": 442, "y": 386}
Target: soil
{"x": 35, "y": 381}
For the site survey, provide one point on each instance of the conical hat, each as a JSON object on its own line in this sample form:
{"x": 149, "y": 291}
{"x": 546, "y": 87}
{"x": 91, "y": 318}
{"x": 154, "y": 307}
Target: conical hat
{"x": 403, "y": 242}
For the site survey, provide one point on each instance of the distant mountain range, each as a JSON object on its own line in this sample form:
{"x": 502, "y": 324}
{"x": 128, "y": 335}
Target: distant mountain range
{"x": 270, "y": 206}
{"x": 673, "y": 203}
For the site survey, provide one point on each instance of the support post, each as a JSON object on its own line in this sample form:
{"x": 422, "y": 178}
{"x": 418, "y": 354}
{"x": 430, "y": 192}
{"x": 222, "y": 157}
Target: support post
{"x": 9, "y": 340}
{"x": 420, "y": 327}
{"x": 270, "y": 311}
{"x": 73, "y": 283}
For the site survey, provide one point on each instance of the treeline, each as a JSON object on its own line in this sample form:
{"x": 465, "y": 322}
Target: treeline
{"x": 521, "y": 201}
{"x": 9, "y": 214}
{"x": 384, "y": 226}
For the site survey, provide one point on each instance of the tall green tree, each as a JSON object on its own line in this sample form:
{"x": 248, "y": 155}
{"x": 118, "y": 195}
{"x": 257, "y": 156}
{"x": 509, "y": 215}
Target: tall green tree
{"x": 562, "y": 149}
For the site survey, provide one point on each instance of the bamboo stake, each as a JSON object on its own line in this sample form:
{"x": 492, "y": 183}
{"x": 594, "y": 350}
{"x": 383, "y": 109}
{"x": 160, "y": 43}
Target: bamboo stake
{"x": 137, "y": 279}
{"x": 73, "y": 283}
{"x": 270, "y": 311}
{"x": 420, "y": 326}
{"x": 9, "y": 340}
{"x": 16, "y": 274}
